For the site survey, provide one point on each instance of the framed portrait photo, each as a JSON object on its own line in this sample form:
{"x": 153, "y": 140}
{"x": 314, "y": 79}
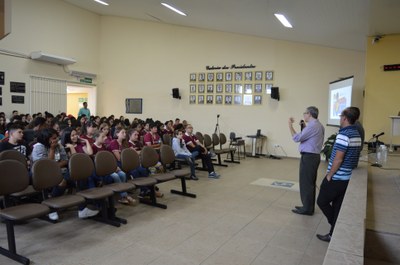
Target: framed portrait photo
{"x": 219, "y": 88}
{"x": 228, "y": 88}
{"x": 269, "y": 75}
{"x": 237, "y": 100}
{"x": 210, "y": 77}
{"x": 228, "y": 76}
{"x": 257, "y": 100}
{"x": 257, "y": 88}
{"x": 210, "y": 88}
{"x": 247, "y": 100}
{"x": 258, "y": 75}
{"x": 248, "y": 76}
{"x": 201, "y": 88}
{"x": 200, "y": 99}
{"x": 238, "y": 76}
{"x": 238, "y": 88}
{"x": 248, "y": 88}
{"x": 228, "y": 100}
{"x": 193, "y": 77}
{"x": 268, "y": 87}
{"x": 220, "y": 77}
{"x": 192, "y": 99}
{"x": 210, "y": 99}
{"x": 218, "y": 99}
{"x": 202, "y": 77}
{"x": 192, "y": 88}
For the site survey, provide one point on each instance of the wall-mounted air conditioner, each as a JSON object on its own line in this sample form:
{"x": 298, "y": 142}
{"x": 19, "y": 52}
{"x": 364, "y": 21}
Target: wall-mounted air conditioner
{"x": 45, "y": 57}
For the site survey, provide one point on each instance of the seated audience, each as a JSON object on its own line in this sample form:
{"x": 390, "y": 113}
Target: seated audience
{"x": 87, "y": 131}
{"x": 152, "y": 138}
{"x": 16, "y": 141}
{"x": 74, "y": 144}
{"x": 193, "y": 144}
{"x": 181, "y": 151}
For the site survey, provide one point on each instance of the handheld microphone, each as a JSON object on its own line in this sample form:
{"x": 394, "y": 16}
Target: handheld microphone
{"x": 302, "y": 124}
{"x": 377, "y": 135}
{"x": 217, "y": 115}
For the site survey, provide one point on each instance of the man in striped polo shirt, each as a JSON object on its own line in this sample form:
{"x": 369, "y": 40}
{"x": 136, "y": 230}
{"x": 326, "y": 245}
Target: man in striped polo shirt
{"x": 344, "y": 159}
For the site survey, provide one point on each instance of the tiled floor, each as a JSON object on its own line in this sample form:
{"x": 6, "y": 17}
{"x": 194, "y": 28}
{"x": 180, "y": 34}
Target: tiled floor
{"x": 230, "y": 222}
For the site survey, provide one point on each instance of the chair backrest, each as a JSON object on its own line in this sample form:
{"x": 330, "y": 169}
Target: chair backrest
{"x": 80, "y": 166}
{"x": 215, "y": 139}
{"x": 46, "y": 173}
{"x": 149, "y": 157}
{"x": 232, "y": 136}
{"x": 200, "y": 137}
{"x": 105, "y": 163}
{"x": 14, "y": 177}
{"x": 167, "y": 139}
{"x": 167, "y": 154}
{"x": 129, "y": 159}
{"x": 222, "y": 139}
{"x": 13, "y": 155}
{"x": 208, "y": 143}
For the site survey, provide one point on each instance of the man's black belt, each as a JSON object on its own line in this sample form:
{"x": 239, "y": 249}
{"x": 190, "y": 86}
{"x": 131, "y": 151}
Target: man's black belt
{"x": 307, "y": 153}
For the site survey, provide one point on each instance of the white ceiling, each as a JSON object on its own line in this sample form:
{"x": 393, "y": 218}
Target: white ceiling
{"x": 334, "y": 23}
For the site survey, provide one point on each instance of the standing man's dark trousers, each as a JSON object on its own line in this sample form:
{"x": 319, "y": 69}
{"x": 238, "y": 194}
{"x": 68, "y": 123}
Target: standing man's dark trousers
{"x": 330, "y": 199}
{"x": 309, "y": 164}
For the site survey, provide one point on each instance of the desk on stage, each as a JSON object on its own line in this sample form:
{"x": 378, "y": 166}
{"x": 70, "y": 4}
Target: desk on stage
{"x": 395, "y": 129}
{"x": 257, "y": 142}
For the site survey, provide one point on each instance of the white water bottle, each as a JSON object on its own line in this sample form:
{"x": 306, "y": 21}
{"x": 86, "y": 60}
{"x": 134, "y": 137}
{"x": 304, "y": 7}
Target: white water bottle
{"x": 381, "y": 155}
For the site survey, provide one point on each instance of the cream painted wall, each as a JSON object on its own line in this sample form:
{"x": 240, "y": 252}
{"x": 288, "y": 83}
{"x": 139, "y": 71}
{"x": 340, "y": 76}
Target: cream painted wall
{"x": 52, "y": 26}
{"x": 382, "y": 90}
{"x": 145, "y": 60}
{"x": 75, "y": 102}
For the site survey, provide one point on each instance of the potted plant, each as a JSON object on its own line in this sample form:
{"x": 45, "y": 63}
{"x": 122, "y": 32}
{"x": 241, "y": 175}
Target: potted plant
{"x": 328, "y": 146}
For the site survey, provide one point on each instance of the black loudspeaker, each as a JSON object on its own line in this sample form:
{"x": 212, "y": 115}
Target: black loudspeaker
{"x": 275, "y": 92}
{"x": 175, "y": 93}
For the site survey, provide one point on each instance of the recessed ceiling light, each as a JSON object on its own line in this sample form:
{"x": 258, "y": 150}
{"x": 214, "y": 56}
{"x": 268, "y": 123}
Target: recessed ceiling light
{"x": 101, "y": 2}
{"x": 174, "y": 9}
{"x": 283, "y": 20}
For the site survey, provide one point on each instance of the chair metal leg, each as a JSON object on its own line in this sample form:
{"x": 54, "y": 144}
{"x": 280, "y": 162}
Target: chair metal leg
{"x": 11, "y": 252}
{"x": 184, "y": 190}
{"x": 153, "y": 200}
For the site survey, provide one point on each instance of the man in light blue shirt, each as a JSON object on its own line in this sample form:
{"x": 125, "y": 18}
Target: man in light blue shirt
{"x": 84, "y": 110}
{"x": 311, "y": 138}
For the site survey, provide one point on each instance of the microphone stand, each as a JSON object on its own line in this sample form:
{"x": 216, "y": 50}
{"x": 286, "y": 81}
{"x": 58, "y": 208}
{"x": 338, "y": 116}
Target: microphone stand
{"x": 217, "y": 126}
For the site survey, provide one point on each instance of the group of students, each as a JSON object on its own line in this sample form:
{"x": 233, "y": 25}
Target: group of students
{"x": 58, "y": 138}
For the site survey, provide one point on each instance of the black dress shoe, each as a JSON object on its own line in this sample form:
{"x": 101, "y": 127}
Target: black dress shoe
{"x": 298, "y": 211}
{"x": 326, "y": 238}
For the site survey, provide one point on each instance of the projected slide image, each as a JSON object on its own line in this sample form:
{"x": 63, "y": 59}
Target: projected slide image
{"x": 340, "y": 100}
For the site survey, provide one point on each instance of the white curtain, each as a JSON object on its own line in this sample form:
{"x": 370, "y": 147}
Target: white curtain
{"x": 47, "y": 94}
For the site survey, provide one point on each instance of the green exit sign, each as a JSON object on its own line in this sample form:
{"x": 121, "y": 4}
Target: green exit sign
{"x": 86, "y": 80}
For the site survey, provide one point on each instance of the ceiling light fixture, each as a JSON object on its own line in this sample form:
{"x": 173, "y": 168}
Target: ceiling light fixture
{"x": 174, "y": 9}
{"x": 283, "y": 20}
{"x": 101, "y": 2}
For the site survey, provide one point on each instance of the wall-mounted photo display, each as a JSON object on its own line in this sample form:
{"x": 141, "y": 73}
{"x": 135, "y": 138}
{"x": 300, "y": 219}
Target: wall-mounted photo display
{"x": 248, "y": 88}
{"x": 269, "y": 75}
{"x": 17, "y": 99}
{"x": 202, "y": 77}
{"x": 210, "y": 99}
{"x": 238, "y": 88}
{"x": 238, "y": 76}
{"x": 193, "y": 77}
{"x": 247, "y": 100}
{"x": 228, "y": 100}
{"x": 228, "y": 76}
{"x": 237, "y": 100}
{"x": 268, "y": 87}
{"x": 258, "y": 75}
{"x": 257, "y": 88}
{"x": 192, "y": 99}
{"x": 218, "y": 99}
{"x": 210, "y": 88}
{"x": 257, "y": 100}
{"x": 220, "y": 77}
{"x": 1, "y": 101}
{"x": 192, "y": 88}
{"x": 201, "y": 88}
{"x": 248, "y": 76}
{"x": 219, "y": 88}
{"x": 1, "y": 90}
{"x": 200, "y": 99}
{"x": 210, "y": 77}
{"x": 228, "y": 88}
